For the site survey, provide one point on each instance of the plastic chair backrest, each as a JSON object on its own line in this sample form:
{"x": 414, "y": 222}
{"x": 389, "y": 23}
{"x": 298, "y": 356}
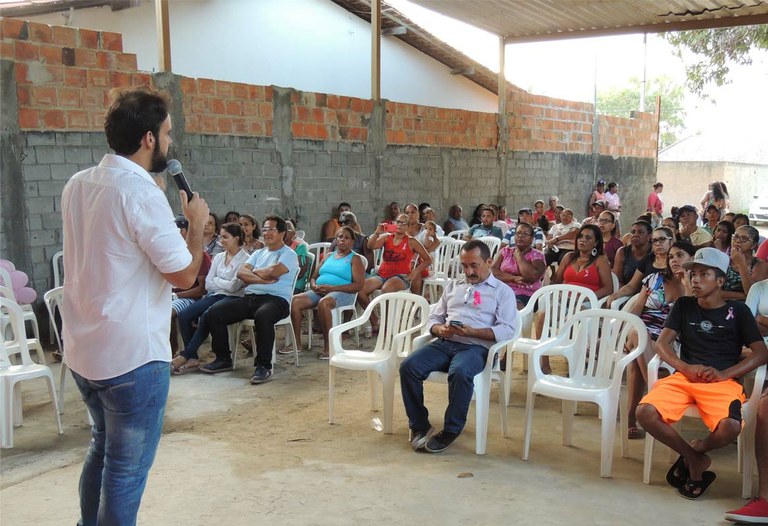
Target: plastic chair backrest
{"x": 16, "y": 317}
{"x": 310, "y": 269}
{"x": 58, "y": 271}
{"x": 493, "y": 244}
{"x": 399, "y": 312}
{"x": 559, "y": 303}
{"x": 615, "y": 282}
{"x": 457, "y": 234}
{"x": 54, "y": 299}
{"x": 319, "y": 250}
{"x": 378, "y": 257}
{"x": 5, "y": 281}
{"x": 600, "y": 336}
{"x": 440, "y": 260}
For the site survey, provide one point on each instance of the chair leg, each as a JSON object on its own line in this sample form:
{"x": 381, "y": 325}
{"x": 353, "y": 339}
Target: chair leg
{"x": 746, "y": 447}
{"x": 624, "y": 426}
{"x": 234, "y": 338}
{"x": 608, "y": 435}
{"x": 54, "y": 402}
{"x": 18, "y": 415}
{"x": 331, "y": 389}
{"x": 62, "y": 379}
{"x": 6, "y": 414}
{"x": 373, "y": 380}
{"x": 528, "y": 423}
{"x": 309, "y": 329}
{"x": 508, "y": 378}
{"x": 569, "y": 408}
{"x": 648, "y": 458}
{"x": 295, "y": 343}
{"x": 388, "y": 394}
{"x": 482, "y": 407}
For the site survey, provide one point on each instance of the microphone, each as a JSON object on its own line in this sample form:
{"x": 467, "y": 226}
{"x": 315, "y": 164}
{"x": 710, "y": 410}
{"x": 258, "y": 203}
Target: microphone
{"x": 174, "y": 169}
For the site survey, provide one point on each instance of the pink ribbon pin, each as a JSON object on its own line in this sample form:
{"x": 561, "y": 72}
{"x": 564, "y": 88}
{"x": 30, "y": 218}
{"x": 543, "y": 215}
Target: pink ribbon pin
{"x": 730, "y": 315}
{"x": 477, "y": 299}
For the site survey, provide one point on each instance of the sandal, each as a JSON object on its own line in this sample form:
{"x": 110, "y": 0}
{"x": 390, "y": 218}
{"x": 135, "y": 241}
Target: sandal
{"x": 323, "y": 356}
{"x": 635, "y": 433}
{"x": 189, "y": 366}
{"x": 285, "y": 349}
{"x": 677, "y": 475}
{"x": 693, "y": 489}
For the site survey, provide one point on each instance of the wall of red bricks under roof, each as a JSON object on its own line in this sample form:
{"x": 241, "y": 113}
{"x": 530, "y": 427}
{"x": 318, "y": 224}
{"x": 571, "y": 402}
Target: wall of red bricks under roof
{"x": 270, "y": 149}
{"x": 64, "y": 76}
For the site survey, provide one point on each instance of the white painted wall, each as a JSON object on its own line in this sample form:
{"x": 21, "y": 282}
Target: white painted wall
{"x": 310, "y": 45}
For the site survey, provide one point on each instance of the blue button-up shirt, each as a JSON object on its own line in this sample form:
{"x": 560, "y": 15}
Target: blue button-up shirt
{"x": 490, "y": 304}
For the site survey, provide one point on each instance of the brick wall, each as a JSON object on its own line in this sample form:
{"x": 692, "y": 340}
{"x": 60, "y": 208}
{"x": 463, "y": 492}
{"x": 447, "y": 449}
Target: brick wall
{"x": 266, "y": 149}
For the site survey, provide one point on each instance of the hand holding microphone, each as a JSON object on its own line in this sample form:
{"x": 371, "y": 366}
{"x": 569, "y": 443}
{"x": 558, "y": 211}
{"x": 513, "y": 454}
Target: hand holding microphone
{"x": 194, "y": 208}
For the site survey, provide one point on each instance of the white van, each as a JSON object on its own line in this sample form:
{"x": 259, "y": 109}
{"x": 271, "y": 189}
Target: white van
{"x": 758, "y": 210}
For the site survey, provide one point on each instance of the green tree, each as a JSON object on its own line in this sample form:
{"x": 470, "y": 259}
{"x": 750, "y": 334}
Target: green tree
{"x": 715, "y": 50}
{"x": 621, "y": 101}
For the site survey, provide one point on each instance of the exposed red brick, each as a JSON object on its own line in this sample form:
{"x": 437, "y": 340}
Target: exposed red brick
{"x": 256, "y": 128}
{"x": 8, "y": 49}
{"x": 88, "y": 38}
{"x": 54, "y": 119}
{"x": 85, "y": 58}
{"x": 50, "y": 54}
{"x": 23, "y": 95}
{"x": 27, "y": 52}
{"x": 188, "y": 86}
{"x": 206, "y": 86}
{"x": 40, "y": 33}
{"x": 29, "y": 118}
{"x": 218, "y": 106}
{"x": 111, "y": 41}
{"x": 224, "y": 89}
{"x": 297, "y": 129}
{"x": 69, "y": 97}
{"x": 250, "y": 109}
{"x": 97, "y": 119}
{"x": 234, "y": 108}
{"x": 64, "y": 36}
{"x": 224, "y": 125}
{"x": 126, "y": 61}
{"x": 199, "y": 104}
{"x": 106, "y": 60}
{"x": 75, "y": 77}
{"x": 141, "y": 79}
{"x": 22, "y": 73}
{"x": 13, "y": 28}
{"x": 78, "y": 120}
{"x": 98, "y": 78}
{"x": 118, "y": 79}
{"x": 43, "y": 96}
{"x": 265, "y": 110}
{"x": 240, "y": 90}
{"x": 268, "y": 98}
{"x": 240, "y": 126}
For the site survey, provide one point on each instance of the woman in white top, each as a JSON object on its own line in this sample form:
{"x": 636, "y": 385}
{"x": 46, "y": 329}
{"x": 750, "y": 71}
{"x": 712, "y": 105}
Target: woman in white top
{"x": 221, "y": 283}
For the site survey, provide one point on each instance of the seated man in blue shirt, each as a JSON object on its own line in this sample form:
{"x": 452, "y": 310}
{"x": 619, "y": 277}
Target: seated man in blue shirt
{"x": 471, "y": 315}
{"x": 486, "y": 226}
{"x": 268, "y": 276}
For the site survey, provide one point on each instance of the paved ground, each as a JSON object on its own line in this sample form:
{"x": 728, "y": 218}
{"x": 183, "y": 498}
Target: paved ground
{"x": 238, "y": 454}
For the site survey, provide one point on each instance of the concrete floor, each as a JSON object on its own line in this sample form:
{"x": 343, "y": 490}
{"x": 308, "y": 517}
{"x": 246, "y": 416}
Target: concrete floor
{"x": 236, "y": 454}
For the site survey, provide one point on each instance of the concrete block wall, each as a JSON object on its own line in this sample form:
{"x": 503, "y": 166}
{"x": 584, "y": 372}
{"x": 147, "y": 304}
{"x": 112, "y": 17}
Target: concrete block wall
{"x": 270, "y": 149}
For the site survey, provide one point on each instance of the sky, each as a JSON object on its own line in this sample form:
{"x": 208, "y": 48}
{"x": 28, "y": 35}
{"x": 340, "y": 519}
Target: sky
{"x": 571, "y": 69}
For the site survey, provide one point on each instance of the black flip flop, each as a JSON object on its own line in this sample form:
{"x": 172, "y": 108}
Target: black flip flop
{"x": 677, "y": 475}
{"x": 693, "y": 489}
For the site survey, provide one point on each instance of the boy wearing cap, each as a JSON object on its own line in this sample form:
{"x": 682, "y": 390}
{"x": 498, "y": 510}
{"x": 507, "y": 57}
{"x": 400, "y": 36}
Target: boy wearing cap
{"x": 525, "y": 215}
{"x": 711, "y": 332}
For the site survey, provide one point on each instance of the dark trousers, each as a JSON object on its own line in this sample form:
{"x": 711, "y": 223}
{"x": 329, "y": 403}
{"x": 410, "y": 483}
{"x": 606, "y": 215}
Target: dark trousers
{"x": 265, "y": 310}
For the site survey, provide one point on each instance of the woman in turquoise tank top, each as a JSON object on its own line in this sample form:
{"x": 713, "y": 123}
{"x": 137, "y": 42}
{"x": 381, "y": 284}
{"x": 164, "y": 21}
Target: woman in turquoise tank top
{"x": 335, "y": 283}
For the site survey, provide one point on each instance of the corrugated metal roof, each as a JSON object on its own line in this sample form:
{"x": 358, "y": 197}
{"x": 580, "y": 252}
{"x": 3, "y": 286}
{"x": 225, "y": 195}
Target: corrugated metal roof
{"x": 530, "y": 20}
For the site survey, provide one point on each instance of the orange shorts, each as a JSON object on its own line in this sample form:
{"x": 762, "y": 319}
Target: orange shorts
{"x": 672, "y": 395}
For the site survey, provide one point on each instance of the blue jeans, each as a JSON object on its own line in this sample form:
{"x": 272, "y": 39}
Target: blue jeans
{"x": 194, "y": 338}
{"x": 461, "y": 361}
{"x": 127, "y": 414}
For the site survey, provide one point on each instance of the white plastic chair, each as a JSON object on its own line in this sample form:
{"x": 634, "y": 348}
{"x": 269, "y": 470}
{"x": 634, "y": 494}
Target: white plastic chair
{"x": 593, "y": 342}
{"x": 482, "y": 387}
{"x": 29, "y": 314}
{"x": 236, "y": 328}
{"x": 11, "y": 377}
{"x": 57, "y": 282}
{"x": 458, "y": 234}
{"x": 402, "y": 317}
{"x": 746, "y": 440}
{"x": 337, "y": 314}
{"x": 558, "y": 303}
{"x": 11, "y": 345}
{"x": 447, "y": 268}
{"x": 319, "y": 250}
{"x": 54, "y": 300}
{"x": 493, "y": 244}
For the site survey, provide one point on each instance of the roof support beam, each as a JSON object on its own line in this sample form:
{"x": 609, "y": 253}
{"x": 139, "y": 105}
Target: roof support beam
{"x": 650, "y": 28}
{"x": 503, "y": 125}
{"x": 376, "y": 50}
{"x": 163, "y": 35}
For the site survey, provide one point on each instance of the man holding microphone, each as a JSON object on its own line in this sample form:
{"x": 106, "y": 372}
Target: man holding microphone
{"x": 122, "y": 253}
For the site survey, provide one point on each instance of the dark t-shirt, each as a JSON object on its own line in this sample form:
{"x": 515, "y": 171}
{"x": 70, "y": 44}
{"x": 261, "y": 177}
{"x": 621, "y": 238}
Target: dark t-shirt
{"x": 712, "y": 337}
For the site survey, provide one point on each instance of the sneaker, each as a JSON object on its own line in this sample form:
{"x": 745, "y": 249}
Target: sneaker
{"x": 420, "y": 438}
{"x": 285, "y": 349}
{"x": 754, "y": 512}
{"x": 216, "y": 366}
{"x": 260, "y": 375}
{"x": 440, "y": 441}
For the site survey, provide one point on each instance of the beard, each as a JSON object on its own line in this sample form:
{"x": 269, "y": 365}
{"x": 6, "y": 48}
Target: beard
{"x": 159, "y": 161}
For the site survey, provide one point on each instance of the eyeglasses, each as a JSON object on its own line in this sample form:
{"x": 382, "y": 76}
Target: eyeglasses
{"x": 604, "y": 221}
{"x": 268, "y": 229}
{"x": 523, "y": 233}
{"x": 742, "y": 239}
{"x": 401, "y": 222}
{"x": 659, "y": 240}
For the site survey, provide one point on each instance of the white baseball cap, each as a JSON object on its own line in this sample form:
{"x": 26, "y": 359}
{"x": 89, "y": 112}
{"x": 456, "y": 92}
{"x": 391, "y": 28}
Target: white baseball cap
{"x": 709, "y": 257}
